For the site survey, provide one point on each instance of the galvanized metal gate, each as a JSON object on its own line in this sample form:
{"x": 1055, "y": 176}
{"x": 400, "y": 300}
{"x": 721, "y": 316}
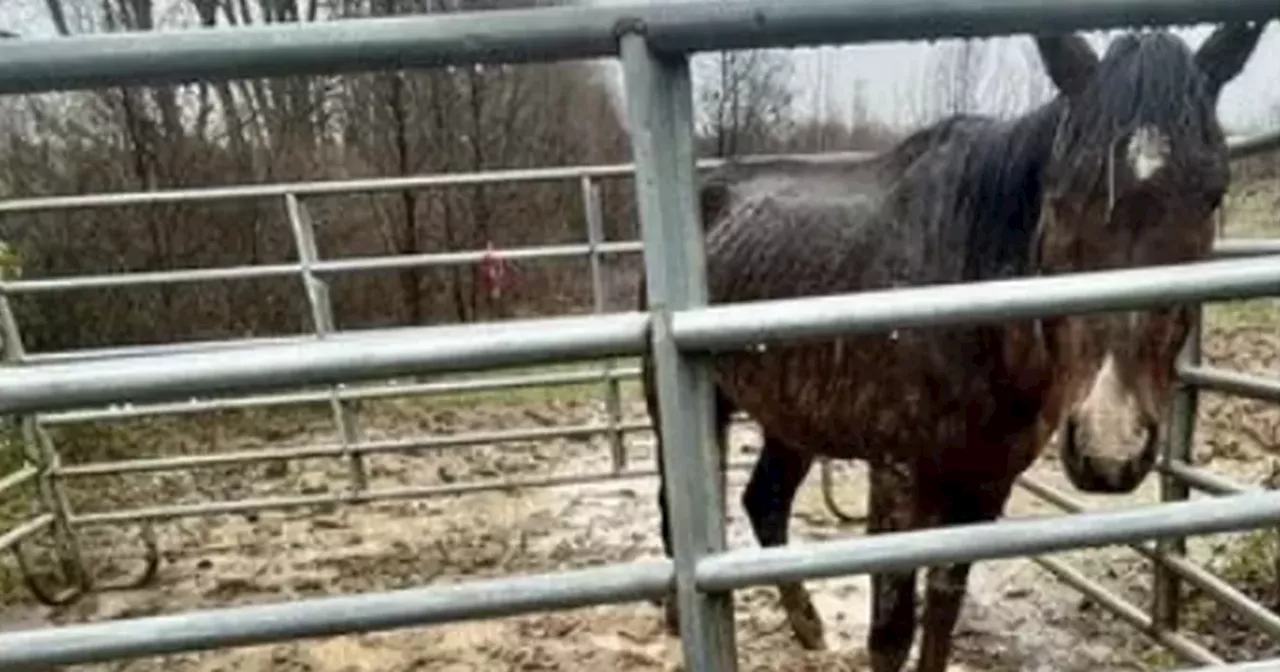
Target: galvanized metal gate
{"x": 653, "y": 43}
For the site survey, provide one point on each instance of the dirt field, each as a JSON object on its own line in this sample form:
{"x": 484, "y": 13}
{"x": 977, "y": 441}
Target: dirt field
{"x": 1017, "y": 617}
{"x": 1018, "y": 620}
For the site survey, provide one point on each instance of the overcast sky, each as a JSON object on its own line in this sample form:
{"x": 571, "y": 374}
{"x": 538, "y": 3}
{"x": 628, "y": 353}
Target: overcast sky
{"x": 1250, "y": 103}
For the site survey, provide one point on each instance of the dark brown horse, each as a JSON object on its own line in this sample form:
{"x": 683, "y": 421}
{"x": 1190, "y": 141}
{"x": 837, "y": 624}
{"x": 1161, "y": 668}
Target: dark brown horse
{"x": 1123, "y": 168}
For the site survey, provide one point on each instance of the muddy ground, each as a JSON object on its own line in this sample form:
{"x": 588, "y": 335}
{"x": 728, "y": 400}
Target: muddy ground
{"x": 1017, "y": 620}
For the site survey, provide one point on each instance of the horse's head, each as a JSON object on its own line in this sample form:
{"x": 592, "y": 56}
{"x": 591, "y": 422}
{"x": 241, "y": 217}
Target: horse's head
{"x": 1138, "y": 166}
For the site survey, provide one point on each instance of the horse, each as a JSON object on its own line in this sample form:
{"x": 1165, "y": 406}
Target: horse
{"x": 1123, "y": 167}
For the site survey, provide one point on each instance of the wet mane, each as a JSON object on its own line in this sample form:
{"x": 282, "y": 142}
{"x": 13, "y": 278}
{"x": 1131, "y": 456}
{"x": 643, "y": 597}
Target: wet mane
{"x": 1001, "y": 187}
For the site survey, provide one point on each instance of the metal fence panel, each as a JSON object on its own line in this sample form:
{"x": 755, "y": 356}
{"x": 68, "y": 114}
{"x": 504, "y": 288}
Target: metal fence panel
{"x": 376, "y": 354}
{"x": 28, "y": 651}
{"x": 391, "y": 352}
{"x": 259, "y": 624}
{"x": 38, "y": 65}
{"x": 731, "y": 326}
{"x": 740, "y": 568}
{"x": 659, "y": 102}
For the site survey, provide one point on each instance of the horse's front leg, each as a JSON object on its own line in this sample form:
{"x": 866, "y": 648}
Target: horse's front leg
{"x": 768, "y": 499}
{"x": 946, "y": 585}
{"x": 892, "y": 507}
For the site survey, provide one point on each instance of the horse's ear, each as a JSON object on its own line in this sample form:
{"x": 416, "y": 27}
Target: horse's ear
{"x": 1069, "y": 61}
{"x": 1224, "y": 53}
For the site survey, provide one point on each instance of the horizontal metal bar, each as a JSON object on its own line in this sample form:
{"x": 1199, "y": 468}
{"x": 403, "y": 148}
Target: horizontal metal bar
{"x": 329, "y": 267}
{"x": 26, "y": 529}
{"x": 18, "y": 478}
{"x": 1207, "y": 582}
{"x": 313, "y": 188}
{"x": 146, "y": 278}
{"x": 443, "y": 387}
{"x": 1268, "y": 665}
{"x": 1231, "y": 382}
{"x": 1205, "y": 481}
{"x": 488, "y": 384}
{"x": 151, "y": 350}
{"x": 386, "y": 353}
{"x": 1258, "y": 144}
{"x": 533, "y": 35}
{"x": 1226, "y": 248}
{"x": 1134, "y": 616}
{"x": 41, "y": 649}
{"x": 372, "y": 185}
{"x": 740, "y": 568}
{"x": 338, "y": 449}
{"x": 1245, "y": 247}
{"x": 738, "y": 325}
{"x": 374, "y": 354}
{"x": 392, "y": 262}
{"x": 379, "y": 184}
{"x": 176, "y": 511}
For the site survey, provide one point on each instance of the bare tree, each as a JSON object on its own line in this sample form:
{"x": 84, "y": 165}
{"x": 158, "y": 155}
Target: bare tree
{"x": 745, "y": 101}
{"x": 956, "y": 70}
{"x": 252, "y": 130}
{"x": 1019, "y": 82}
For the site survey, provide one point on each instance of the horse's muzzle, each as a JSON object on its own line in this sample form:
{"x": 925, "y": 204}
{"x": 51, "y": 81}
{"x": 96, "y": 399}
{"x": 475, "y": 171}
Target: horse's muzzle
{"x": 1094, "y": 472}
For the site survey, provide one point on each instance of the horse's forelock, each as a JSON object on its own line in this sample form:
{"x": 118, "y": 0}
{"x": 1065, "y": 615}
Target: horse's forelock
{"x": 1147, "y": 80}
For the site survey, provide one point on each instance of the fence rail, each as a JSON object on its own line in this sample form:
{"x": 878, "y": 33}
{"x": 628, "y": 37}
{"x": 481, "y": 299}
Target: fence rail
{"x": 387, "y": 353}
{"x": 552, "y": 34}
{"x": 653, "y": 43}
{"x": 259, "y": 624}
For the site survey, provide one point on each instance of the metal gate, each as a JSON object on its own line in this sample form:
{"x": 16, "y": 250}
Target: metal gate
{"x": 654, "y": 44}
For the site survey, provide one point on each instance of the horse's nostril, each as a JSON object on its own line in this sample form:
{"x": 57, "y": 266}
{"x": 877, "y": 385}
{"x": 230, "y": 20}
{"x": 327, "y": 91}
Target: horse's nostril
{"x": 1131, "y": 470}
{"x": 1070, "y": 442}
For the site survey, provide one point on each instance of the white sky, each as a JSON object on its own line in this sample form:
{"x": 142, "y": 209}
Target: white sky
{"x": 1250, "y": 103}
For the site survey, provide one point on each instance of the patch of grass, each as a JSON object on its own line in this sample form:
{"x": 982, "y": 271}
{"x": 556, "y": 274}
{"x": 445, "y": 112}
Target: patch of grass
{"x": 566, "y": 393}
{"x": 1252, "y": 560}
{"x": 1157, "y": 658}
{"x": 1248, "y": 563}
{"x": 1255, "y": 313}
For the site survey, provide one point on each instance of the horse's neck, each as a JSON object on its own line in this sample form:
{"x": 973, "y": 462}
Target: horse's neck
{"x": 1001, "y": 192}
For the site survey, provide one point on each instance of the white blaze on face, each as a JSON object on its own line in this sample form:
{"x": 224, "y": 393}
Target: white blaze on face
{"x": 1110, "y": 429}
{"x": 1148, "y": 152}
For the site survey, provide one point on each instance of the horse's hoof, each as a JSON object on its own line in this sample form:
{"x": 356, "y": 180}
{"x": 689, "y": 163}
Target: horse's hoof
{"x": 808, "y": 629}
{"x": 671, "y": 617}
{"x": 804, "y": 619}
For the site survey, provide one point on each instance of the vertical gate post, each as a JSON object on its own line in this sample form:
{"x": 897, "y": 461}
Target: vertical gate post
{"x": 1167, "y": 595}
{"x": 660, "y": 119}
{"x": 612, "y": 395}
{"x": 317, "y": 293}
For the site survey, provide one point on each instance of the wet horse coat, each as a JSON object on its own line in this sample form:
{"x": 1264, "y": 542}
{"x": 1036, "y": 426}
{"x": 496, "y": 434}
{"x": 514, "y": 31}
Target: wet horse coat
{"x": 1123, "y": 168}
